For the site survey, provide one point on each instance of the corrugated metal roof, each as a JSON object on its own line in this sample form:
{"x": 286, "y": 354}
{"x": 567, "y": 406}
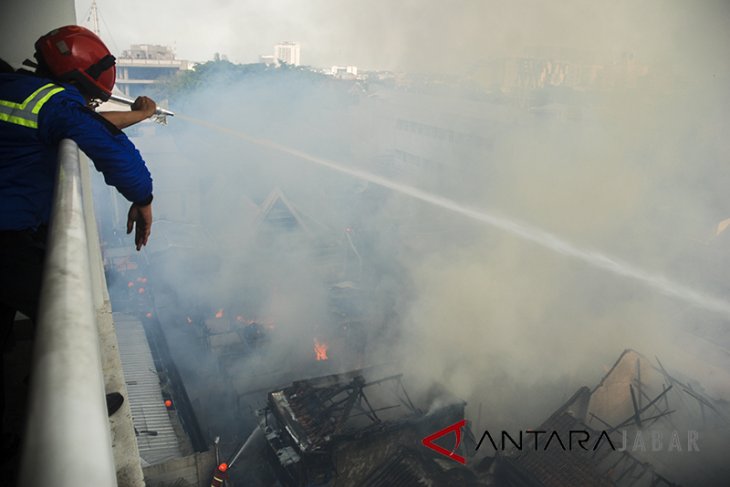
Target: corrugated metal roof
{"x": 145, "y": 395}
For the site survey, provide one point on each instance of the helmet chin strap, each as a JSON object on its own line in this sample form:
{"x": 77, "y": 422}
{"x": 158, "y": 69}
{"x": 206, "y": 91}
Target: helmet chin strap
{"x": 100, "y": 66}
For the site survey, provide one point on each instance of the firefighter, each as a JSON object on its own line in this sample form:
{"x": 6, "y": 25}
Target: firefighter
{"x": 74, "y": 72}
{"x": 219, "y": 476}
{"x": 37, "y": 110}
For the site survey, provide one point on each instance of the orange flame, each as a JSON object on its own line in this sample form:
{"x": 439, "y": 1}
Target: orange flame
{"x": 320, "y": 350}
{"x": 219, "y": 314}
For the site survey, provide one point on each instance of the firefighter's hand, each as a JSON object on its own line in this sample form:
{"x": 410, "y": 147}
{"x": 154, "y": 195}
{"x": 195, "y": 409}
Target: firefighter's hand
{"x": 141, "y": 216}
{"x": 145, "y": 105}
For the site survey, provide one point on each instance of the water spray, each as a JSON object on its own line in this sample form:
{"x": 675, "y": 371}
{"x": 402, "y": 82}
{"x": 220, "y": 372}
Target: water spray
{"x": 250, "y": 442}
{"x": 512, "y": 226}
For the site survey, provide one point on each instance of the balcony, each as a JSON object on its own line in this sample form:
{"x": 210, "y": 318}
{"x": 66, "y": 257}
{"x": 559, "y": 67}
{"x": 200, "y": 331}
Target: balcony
{"x": 75, "y": 357}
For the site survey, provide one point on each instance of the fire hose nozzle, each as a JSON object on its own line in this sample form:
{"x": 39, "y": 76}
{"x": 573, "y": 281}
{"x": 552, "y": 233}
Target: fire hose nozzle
{"x": 162, "y": 111}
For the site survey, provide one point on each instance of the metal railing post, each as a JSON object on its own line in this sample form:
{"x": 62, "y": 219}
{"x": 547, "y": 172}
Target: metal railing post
{"x": 67, "y": 441}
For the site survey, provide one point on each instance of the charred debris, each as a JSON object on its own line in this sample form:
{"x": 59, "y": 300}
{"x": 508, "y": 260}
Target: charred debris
{"x": 365, "y": 427}
{"x": 332, "y": 430}
{"x": 362, "y": 428}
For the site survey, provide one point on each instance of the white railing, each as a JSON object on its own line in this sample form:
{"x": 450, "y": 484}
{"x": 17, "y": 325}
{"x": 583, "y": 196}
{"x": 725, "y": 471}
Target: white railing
{"x": 67, "y": 440}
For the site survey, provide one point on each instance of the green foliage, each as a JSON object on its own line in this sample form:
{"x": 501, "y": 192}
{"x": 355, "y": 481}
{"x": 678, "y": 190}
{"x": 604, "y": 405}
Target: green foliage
{"x": 222, "y": 72}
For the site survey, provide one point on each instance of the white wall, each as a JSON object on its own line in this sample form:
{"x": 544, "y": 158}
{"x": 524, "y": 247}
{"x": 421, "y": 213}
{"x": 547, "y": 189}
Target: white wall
{"x": 22, "y": 22}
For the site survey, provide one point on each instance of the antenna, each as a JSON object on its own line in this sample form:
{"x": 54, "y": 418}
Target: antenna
{"x": 93, "y": 17}
{"x": 92, "y": 21}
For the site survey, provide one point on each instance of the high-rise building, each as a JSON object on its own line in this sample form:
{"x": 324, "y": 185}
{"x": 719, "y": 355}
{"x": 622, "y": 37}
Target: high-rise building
{"x": 287, "y": 52}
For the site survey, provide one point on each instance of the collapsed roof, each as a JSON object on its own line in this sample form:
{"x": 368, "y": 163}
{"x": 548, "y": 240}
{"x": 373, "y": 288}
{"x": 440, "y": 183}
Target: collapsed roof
{"x": 339, "y": 428}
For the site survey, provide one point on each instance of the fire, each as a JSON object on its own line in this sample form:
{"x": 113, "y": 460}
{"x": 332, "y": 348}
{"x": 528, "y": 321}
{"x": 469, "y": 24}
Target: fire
{"x": 219, "y": 314}
{"x": 320, "y": 350}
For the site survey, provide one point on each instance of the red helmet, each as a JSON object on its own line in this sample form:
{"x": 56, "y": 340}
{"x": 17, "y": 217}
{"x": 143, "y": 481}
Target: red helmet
{"x": 74, "y": 53}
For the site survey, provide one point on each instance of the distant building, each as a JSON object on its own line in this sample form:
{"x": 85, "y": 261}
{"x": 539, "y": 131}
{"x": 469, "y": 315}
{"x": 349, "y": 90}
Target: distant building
{"x": 268, "y": 60}
{"x": 287, "y": 52}
{"x": 344, "y": 72}
{"x": 563, "y": 68}
{"x": 146, "y": 64}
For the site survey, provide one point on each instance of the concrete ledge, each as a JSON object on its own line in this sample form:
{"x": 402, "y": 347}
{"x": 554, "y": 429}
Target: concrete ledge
{"x": 124, "y": 441}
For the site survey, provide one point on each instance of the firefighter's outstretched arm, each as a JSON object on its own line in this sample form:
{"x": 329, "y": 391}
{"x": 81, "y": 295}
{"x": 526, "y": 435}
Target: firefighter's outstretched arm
{"x": 142, "y": 109}
{"x": 66, "y": 116}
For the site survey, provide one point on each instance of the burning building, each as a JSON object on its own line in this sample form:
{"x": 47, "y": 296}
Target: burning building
{"x": 601, "y": 464}
{"x": 344, "y": 429}
{"x": 660, "y": 430}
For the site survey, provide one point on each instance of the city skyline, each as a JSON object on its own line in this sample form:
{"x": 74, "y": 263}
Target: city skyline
{"x": 432, "y": 36}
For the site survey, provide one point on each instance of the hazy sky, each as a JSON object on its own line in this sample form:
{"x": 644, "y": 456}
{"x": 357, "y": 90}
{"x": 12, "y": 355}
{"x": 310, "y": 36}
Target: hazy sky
{"x": 406, "y": 34}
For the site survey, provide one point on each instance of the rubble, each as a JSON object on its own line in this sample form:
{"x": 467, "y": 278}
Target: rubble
{"x": 342, "y": 429}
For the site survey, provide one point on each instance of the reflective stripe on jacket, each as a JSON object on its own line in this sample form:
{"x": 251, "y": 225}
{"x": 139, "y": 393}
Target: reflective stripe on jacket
{"x": 26, "y": 113}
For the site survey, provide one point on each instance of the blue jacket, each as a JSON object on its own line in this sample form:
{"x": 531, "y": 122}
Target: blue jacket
{"x": 35, "y": 115}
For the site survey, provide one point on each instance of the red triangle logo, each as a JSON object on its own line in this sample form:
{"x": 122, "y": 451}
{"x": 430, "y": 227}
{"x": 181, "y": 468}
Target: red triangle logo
{"x": 456, "y": 428}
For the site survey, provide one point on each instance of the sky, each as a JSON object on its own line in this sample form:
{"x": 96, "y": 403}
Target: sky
{"x": 409, "y": 34}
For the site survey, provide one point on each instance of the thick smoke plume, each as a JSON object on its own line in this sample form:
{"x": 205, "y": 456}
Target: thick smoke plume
{"x": 631, "y": 161}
